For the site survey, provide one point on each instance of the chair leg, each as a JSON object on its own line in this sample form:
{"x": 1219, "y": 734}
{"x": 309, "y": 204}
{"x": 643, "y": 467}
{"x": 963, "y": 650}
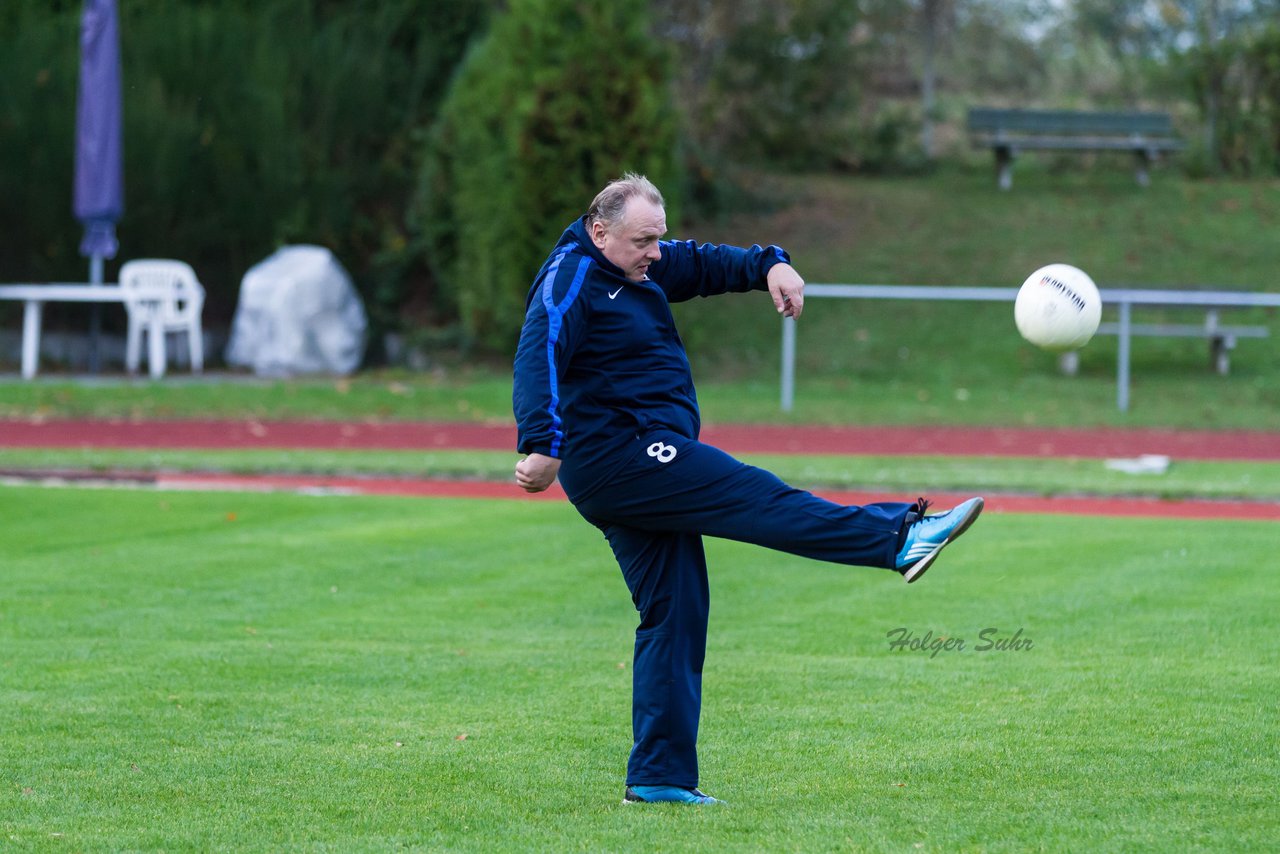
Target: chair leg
{"x": 155, "y": 349}
{"x": 195, "y": 348}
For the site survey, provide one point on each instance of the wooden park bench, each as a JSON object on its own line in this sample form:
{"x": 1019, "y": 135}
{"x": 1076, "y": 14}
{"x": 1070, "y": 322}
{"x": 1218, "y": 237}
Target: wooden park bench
{"x": 1007, "y": 132}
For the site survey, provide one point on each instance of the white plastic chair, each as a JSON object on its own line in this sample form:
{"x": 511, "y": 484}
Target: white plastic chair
{"x": 161, "y": 296}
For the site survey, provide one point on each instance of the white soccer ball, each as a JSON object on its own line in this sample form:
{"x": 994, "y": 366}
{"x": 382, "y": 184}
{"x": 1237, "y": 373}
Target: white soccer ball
{"x": 1058, "y": 308}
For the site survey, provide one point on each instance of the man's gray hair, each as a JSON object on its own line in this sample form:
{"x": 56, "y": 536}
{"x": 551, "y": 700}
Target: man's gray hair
{"x": 608, "y": 206}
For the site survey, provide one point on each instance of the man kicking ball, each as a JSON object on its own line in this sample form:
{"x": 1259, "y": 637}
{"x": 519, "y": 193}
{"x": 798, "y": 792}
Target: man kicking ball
{"x": 604, "y": 400}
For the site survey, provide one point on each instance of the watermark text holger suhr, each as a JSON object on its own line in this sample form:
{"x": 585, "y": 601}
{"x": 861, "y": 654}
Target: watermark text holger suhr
{"x": 991, "y": 639}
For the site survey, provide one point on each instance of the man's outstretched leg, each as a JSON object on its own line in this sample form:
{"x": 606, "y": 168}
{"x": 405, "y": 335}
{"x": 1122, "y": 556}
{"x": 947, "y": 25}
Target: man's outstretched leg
{"x": 681, "y": 485}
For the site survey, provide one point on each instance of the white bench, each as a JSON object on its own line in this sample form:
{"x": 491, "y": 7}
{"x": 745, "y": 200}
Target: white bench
{"x": 1222, "y": 339}
{"x": 1123, "y": 298}
{"x": 34, "y": 297}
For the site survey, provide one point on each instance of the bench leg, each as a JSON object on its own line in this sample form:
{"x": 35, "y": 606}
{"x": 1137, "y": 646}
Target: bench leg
{"x": 1004, "y": 167}
{"x": 1144, "y": 166}
{"x": 1220, "y": 344}
{"x": 1069, "y": 363}
{"x": 1220, "y": 348}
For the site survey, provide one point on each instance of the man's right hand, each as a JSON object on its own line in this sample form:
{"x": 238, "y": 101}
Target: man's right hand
{"x": 536, "y": 472}
{"x": 787, "y": 289}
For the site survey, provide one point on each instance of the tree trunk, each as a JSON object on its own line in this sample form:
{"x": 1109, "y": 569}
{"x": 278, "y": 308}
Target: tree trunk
{"x": 928, "y": 76}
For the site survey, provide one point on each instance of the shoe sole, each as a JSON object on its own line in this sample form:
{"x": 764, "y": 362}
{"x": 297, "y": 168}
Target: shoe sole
{"x": 919, "y": 568}
{"x": 628, "y": 801}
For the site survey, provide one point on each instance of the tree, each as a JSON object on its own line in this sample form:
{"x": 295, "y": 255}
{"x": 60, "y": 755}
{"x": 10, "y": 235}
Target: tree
{"x": 772, "y": 81}
{"x": 931, "y": 14}
{"x": 1207, "y": 39}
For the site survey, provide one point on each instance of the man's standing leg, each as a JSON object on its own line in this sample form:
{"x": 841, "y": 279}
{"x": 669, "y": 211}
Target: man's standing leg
{"x": 667, "y": 576}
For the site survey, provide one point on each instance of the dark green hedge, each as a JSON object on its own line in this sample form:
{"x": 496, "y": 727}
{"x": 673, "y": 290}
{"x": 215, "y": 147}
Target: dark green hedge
{"x": 248, "y": 123}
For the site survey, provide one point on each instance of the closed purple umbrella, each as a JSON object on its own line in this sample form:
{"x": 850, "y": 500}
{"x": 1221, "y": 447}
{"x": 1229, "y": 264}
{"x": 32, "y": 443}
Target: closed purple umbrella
{"x": 99, "y": 188}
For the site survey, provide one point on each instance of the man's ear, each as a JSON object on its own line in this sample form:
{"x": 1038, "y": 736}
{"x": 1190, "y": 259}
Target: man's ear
{"x": 598, "y": 232}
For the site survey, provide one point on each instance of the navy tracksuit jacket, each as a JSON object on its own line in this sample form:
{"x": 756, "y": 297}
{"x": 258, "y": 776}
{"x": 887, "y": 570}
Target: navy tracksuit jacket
{"x": 602, "y": 383}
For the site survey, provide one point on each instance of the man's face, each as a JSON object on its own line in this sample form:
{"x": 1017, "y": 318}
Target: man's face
{"x": 632, "y": 244}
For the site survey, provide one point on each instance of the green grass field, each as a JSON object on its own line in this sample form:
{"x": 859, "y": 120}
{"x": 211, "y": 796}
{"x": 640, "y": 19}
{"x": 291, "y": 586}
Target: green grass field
{"x": 187, "y": 671}
{"x": 248, "y": 672}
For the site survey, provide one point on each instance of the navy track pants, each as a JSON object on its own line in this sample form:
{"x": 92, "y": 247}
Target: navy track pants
{"x": 654, "y": 513}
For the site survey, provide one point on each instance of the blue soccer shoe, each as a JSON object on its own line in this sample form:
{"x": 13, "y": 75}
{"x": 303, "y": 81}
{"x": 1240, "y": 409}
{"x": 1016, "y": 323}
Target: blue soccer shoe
{"x": 667, "y": 795}
{"x": 928, "y": 535}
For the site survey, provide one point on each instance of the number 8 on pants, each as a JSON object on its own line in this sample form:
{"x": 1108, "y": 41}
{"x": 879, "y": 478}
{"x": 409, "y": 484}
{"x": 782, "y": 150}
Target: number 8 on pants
{"x": 662, "y": 453}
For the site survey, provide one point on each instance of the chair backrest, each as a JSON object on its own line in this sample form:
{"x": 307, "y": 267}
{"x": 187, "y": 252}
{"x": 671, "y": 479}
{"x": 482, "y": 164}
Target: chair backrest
{"x": 173, "y": 284}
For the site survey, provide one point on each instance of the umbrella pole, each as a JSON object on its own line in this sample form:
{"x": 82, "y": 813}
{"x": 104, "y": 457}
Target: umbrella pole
{"x": 95, "y": 316}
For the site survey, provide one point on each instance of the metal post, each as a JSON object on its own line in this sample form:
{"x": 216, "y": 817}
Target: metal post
{"x": 1122, "y": 360}
{"x": 31, "y": 315}
{"x": 788, "y": 363}
{"x": 95, "y": 316}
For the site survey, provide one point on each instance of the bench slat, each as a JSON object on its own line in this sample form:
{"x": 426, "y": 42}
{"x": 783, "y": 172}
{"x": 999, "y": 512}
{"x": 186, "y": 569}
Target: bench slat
{"x": 1180, "y": 330}
{"x": 1006, "y": 132}
{"x": 1088, "y": 143}
{"x": 1069, "y": 122}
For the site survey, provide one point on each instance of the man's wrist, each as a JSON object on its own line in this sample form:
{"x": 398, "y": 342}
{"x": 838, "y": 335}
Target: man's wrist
{"x": 771, "y": 257}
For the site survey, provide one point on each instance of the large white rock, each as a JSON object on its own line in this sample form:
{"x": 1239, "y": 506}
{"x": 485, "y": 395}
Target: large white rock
{"x": 298, "y": 314}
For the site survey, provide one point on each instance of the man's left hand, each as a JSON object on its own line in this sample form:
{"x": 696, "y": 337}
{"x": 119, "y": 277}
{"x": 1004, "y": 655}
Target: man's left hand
{"x": 536, "y": 472}
{"x": 787, "y": 289}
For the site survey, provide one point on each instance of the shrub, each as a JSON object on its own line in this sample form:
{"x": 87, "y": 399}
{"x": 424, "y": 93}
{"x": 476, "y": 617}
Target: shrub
{"x": 561, "y": 96}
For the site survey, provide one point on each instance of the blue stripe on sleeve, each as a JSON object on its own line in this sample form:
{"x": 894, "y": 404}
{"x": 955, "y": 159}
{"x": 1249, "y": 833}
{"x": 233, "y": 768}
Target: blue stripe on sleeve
{"x": 555, "y": 317}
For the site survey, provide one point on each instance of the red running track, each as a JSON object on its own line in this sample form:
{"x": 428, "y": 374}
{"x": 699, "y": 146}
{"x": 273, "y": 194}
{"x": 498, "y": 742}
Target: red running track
{"x": 735, "y": 438}
{"x": 963, "y": 441}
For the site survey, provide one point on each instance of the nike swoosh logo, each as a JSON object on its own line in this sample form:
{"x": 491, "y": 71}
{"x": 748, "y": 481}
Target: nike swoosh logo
{"x": 614, "y": 295}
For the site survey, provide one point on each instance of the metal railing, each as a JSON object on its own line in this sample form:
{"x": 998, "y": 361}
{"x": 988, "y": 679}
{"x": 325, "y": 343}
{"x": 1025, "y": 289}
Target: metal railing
{"x": 1123, "y": 298}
